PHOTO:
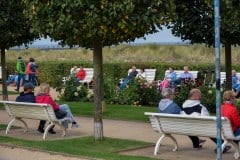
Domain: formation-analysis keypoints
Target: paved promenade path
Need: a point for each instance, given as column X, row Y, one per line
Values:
column 112, row 128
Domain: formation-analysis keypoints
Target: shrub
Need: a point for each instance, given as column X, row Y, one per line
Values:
column 137, row 92
column 75, row 91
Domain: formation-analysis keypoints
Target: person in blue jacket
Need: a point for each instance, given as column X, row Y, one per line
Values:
column 166, row 104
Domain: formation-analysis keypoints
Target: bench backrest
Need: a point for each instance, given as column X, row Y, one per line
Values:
column 89, row 74
column 150, row 74
column 188, row 125
column 223, row 77
column 179, row 72
column 30, row 110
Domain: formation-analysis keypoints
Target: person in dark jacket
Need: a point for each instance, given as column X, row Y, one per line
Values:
column 27, row 95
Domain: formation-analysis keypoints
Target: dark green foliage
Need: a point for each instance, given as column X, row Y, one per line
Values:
column 14, row 26
column 75, row 91
column 137, row 92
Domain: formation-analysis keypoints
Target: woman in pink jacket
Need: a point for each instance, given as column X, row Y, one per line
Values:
column 44, row 97
column 229, row 110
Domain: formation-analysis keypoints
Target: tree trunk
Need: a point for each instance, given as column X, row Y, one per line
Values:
column 4, row 75
column 98, row 90
column 228, row 66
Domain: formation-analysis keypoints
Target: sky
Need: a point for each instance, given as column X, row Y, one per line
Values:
column 164, row 36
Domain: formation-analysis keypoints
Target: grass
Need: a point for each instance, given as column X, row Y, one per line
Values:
column 119, row 112
column 85, row 146
column 192, row 54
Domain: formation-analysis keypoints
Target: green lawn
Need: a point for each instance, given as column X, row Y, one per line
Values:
column 120, row 112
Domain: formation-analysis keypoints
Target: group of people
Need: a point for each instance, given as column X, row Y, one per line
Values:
column 171, row 79
column 192, row 106
column 25, row 73
column 78, row 74
column 43, row 96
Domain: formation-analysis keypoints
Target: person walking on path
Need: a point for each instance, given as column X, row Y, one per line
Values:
column 20, row 68
column 31, row 71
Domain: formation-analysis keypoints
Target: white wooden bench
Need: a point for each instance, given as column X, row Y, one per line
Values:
column 203, row 126
column 88, row 78
column 149, row 73
column 179, row 72
column 38, row 111
column 223, row 77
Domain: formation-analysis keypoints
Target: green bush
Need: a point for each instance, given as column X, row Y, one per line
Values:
column 137, row 92
column 75, row 91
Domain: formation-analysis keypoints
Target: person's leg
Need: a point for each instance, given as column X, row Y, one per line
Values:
column 41, row 126
column 195, row 141
column 18, row 82
column 65, row 108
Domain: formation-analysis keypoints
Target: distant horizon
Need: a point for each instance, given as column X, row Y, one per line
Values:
column 163, row 37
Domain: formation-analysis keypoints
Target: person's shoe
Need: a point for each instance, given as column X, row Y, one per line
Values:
column 41, row 130
column 17, row 90
column 51, row 131
column 201, row 142
column 225, row 149
column 75, row 125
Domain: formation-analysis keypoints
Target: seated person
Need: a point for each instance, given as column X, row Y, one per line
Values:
column 235, row 84
column 44, row 97
column 73, row 72
column 27, row 95
column 141, row 74
column 166, row 104
column 81, row 74
column 193, row 106
column 129, row 78
column 169, row 79
column 186, row 75
column 12, row 79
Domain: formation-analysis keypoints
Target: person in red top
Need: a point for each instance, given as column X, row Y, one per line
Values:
column 229, row 110
column 81, row 74
column 44, row 97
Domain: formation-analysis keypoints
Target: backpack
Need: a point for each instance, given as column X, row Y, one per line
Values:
column 23, row 67
column 33, row 67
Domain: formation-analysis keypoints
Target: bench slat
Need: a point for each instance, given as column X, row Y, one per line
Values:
column 37, row 111
column 204, row 126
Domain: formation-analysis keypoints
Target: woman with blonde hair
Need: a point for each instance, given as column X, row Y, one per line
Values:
column 44, row 97
column 229, row 110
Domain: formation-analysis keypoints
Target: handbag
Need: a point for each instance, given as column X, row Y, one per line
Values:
column 60, row 114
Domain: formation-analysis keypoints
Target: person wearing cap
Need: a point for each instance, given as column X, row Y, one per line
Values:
column 27, row 95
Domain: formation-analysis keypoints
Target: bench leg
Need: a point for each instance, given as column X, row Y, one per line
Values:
column 158, row 144
column 156, row 150
column 46, row 130
column 175, row 142
column 25, row 124
column 11, row 123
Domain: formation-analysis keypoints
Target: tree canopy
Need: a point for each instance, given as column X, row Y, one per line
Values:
column 14, row 26
column 15, row 30
column 94, row 24
column 194, row 21
column 77, row 22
